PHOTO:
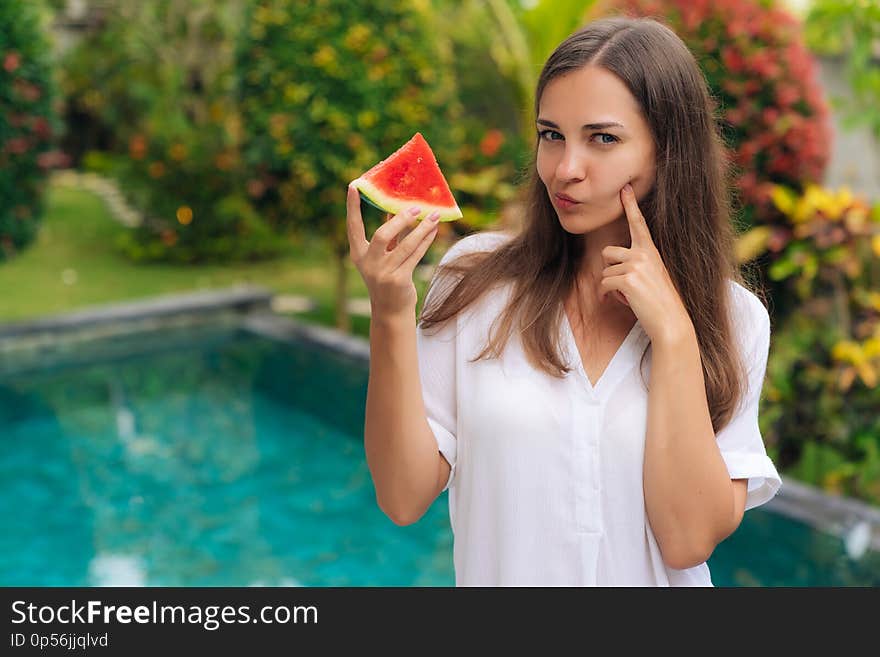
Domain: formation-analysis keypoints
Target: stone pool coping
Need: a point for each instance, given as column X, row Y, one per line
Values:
column 240, row 299
column 59, row 337
column 250, row 308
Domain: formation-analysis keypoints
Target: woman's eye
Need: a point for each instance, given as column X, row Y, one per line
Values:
column 543, row 134
column 611, row 140
column 605, row 138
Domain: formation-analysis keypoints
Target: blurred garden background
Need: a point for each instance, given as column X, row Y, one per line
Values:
column 149, row 147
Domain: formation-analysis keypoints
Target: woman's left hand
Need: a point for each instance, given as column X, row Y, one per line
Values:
column 639, row 277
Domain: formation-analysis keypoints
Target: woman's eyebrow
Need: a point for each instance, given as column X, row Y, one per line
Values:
column 588, row 126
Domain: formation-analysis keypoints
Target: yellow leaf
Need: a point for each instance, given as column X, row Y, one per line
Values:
column 357, row 37
column 784, row 199
column 814, row 198
column 847, row 376
column 856, row 218
column 831, row 482
column 366, row 119
column 868, row 374
column 846, row 350
column 752, row 243
column 875, row 245
column 832, row 204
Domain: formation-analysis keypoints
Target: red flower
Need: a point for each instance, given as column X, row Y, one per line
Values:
column 491, row 142
column 735, row 116
column 752, row 87
column 732, row 60
column 137, row 147
column 41, row 128
column 733, row 87
column 53, row 159
column 169, row 237
column 781, row 164
column 747, row 152
column 748, row 182
column 29, row 92
column 787, row 95
column 777, row 240
column 770, row 116
column 17, row 145
column 11, row 61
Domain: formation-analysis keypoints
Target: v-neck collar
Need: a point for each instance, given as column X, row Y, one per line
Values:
column 617, row 367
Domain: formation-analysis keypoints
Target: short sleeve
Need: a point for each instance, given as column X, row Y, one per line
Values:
column 437, row 357
column 740, row 441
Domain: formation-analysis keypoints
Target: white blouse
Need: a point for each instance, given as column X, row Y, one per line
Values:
column 546, row 480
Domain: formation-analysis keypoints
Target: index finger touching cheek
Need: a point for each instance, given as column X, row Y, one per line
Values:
column 638, row 224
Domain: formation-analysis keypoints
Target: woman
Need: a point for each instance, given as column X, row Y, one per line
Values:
column 607, row 432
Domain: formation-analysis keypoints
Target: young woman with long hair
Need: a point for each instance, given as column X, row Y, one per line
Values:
column 592, row 381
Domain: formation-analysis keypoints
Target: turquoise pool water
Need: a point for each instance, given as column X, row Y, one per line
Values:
column 236, row 460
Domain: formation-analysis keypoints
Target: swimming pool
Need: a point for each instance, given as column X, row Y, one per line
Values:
column 220, row 457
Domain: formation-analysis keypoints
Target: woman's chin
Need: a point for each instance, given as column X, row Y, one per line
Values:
column 583, row 222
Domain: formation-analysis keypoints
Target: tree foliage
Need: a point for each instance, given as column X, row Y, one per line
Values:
column 28, row 122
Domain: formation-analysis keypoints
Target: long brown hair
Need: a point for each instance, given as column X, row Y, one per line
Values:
column 689, row 211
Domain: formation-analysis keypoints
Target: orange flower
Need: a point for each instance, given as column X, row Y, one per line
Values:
column 137, row 147
column 177, row 152
column 491, row 142
column 169, row 237
column 224, row 161
column 184, row 214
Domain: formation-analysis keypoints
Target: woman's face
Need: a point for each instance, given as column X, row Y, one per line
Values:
column 593, row 140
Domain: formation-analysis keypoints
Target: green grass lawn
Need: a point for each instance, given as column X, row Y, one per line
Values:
column 73, row 264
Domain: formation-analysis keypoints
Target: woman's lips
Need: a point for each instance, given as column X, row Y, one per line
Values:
column 564, row 203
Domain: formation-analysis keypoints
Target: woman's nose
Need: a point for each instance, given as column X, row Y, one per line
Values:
column 572, row 166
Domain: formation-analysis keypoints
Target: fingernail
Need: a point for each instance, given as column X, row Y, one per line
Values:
column 415, row 211
column 627, row 188
column 434, row 216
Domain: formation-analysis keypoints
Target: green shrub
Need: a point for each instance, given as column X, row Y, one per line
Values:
column 159, row 77
column 190, row 194
column 851, row 28
column 820, row 410
column 815, row 429
column 28, row 123
column 329, row 88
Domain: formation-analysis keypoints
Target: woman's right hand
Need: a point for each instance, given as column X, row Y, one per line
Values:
column 386, row 266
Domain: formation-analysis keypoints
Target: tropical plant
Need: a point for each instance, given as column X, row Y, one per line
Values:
column 152, row 67
column 158, row 76
column 851, row 29
column 28, row 123
column 824, row 375
column 329, row 88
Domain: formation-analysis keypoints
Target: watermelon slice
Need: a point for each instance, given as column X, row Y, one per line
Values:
column 408, row 177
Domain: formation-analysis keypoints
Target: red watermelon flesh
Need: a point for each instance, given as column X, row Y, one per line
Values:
column 409, row 177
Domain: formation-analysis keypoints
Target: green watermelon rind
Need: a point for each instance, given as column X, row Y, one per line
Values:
column 371, row 194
